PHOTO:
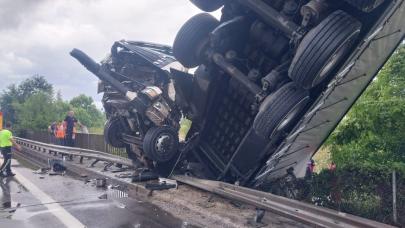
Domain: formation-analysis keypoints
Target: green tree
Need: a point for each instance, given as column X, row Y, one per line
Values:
column 61, row 108
column 32, row 105
column 36, row 112
column 7, row 99
column 86, row 111
column 373, row 132
column 33, row 85
column 17, row 94
column 83, row 101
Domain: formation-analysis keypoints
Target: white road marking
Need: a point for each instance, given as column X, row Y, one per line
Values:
column 56, row 209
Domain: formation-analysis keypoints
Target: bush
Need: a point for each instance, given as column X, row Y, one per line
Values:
column 364, row 191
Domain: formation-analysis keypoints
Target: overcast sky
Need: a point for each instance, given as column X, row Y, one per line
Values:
column 36, row 36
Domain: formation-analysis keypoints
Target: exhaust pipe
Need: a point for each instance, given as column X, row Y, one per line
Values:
column 101, row 73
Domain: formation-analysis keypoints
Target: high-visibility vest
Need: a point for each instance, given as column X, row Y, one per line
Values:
column 60, row 131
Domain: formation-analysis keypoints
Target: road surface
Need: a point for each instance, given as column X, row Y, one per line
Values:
column 42, row 200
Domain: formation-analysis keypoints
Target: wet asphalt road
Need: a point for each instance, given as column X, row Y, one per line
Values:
column 41, row 200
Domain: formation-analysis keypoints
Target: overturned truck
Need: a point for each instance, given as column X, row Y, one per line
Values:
column 263, row 75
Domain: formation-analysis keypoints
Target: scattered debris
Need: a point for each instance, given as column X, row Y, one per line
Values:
column 168, row 181
column 259, row 215
column 52, row 173
column 56, row 165
column 113, row 186
column 145, row 176
column 103, row 196
column 107, row 166
column 118, row 170
column 121, row 205
column 41, row 171
column 93, row 163
column 116, row 194
column 101, row 182
column 125, row 175
column 257, row 220
column 159, row 186
column 206, row 204
column 236, row 204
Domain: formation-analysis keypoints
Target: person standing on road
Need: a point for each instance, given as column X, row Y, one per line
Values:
column 69, row 124
column 60, row 134
column 52, row 132
column 6, row 143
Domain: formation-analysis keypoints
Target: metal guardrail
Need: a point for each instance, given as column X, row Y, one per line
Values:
column 84, row 153
column 296, row 210
column 82, row 140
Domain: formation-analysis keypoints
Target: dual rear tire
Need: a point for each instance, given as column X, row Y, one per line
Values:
column 323, row 49
column 319, row 53
column 281, row 110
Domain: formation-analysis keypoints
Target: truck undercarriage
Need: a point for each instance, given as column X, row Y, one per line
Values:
column 264, row 74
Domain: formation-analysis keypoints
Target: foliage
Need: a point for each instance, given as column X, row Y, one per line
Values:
column 32, row 105
column 61, row 108
column 86, row 111
column 19, row 93
column 32, row 86
column 367, row 146
column 373, row 133
column 36, row 112
column 363, row 190
column 82, row 101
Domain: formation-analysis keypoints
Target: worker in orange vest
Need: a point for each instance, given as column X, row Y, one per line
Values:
column 60, row 133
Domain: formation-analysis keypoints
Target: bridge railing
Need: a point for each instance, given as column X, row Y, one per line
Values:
column 85, row 141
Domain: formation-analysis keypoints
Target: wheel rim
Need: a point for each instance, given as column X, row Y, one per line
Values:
column 290, row 116
column 164, row 146
column 335, row 58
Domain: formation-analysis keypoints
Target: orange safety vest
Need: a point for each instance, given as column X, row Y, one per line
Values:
column 60, row 132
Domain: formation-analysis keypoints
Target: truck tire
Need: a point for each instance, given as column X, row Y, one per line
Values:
column 161, row 143
column 280, row 110
column 192, row 38
column 323, row 48
column 112, row 133
column 365, row 5
column 208, row 5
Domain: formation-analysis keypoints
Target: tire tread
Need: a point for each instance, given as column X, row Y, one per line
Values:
column 318, row 45
column 275, row 107
column 194, row 31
